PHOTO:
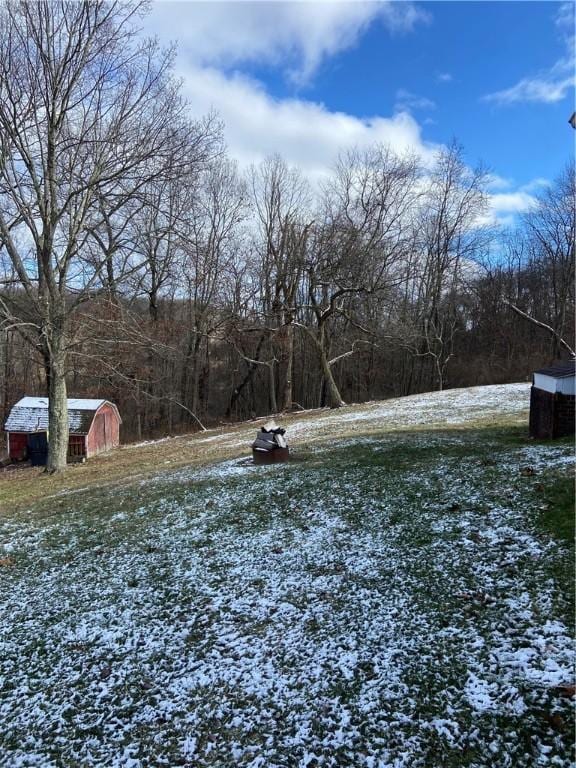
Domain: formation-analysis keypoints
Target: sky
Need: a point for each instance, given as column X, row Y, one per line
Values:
column 309, row 79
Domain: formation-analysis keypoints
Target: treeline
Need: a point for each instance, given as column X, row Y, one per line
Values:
column 140, row 265
column 257, row 296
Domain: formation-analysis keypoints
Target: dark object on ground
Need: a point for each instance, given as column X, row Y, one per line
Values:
column 270, row 446
column 552, row 401
column 552, row 414
column 38, row 448
column 270, row 457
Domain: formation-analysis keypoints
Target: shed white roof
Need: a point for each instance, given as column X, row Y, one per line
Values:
column 30, row 414
column 561, row 369
column 74, row 403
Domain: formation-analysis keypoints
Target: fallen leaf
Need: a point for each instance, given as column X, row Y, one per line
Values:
column 556, row 721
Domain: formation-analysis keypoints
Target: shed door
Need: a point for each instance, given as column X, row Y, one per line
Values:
column 100, row 432
column 38, row 448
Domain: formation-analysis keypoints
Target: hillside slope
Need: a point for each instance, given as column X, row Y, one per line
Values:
column 454, row 408
column 387, row 601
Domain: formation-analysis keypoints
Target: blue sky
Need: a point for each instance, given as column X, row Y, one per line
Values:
column 309, row 78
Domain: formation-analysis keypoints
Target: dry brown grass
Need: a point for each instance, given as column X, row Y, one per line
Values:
column 21, row 488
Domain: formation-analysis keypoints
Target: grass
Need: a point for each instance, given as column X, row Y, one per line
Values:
column 456, row 408
column 558, row 517
column 395, row 599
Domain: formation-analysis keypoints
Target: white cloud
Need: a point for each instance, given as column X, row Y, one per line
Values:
column 505, row 207
column 547, row 88
column 553, row 84
column 536, row 185
column 407, row 101
column 305, row 133
column 511, row 202
column 295, row 36
column 496, row 182
column 507, row 200
column 565, row 18
column 218, row 40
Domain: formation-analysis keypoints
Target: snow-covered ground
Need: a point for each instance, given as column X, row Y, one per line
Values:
column 389, row 603
column 450, row 408
column 453, row 407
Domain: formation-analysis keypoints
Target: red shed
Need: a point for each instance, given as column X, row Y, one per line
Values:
column 94, row 426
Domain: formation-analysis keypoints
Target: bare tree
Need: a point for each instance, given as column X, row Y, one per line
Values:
column 545, row 246
column 281, row 200
column 210, row 248
column 359, row 250
column 88, row 113
column 449, row 238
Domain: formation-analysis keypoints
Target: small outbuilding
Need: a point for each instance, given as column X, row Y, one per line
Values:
column 94, row 427
column 552, row 400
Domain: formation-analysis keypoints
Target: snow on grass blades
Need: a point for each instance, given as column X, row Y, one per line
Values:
column 388, row 602
column 486, row 406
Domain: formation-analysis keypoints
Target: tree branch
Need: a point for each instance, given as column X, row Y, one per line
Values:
column 540, row 324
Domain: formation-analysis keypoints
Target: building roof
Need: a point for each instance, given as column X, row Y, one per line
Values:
column 559, row 370
column 30, row 414
column 78, row 404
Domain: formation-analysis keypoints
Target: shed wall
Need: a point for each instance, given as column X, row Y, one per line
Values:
column 76, row 447
column 566, row 384
column 17, row 445
column 551, row 415
column 104, row 433
column 545, row 383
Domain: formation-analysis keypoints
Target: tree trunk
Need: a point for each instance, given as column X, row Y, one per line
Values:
column 272, row 388
column 196, row 370
column 57, row 410
column 3, row 371
column 248, row 379
column 111, row 277
column 153, row 304
column 184, row 386
column 287, row 396
column 440, row 374
column 322, row 393
column 204, row 382
column 334, row 396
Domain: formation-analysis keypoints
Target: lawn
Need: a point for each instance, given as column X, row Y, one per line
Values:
column 457, row 408
column 397, row 600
